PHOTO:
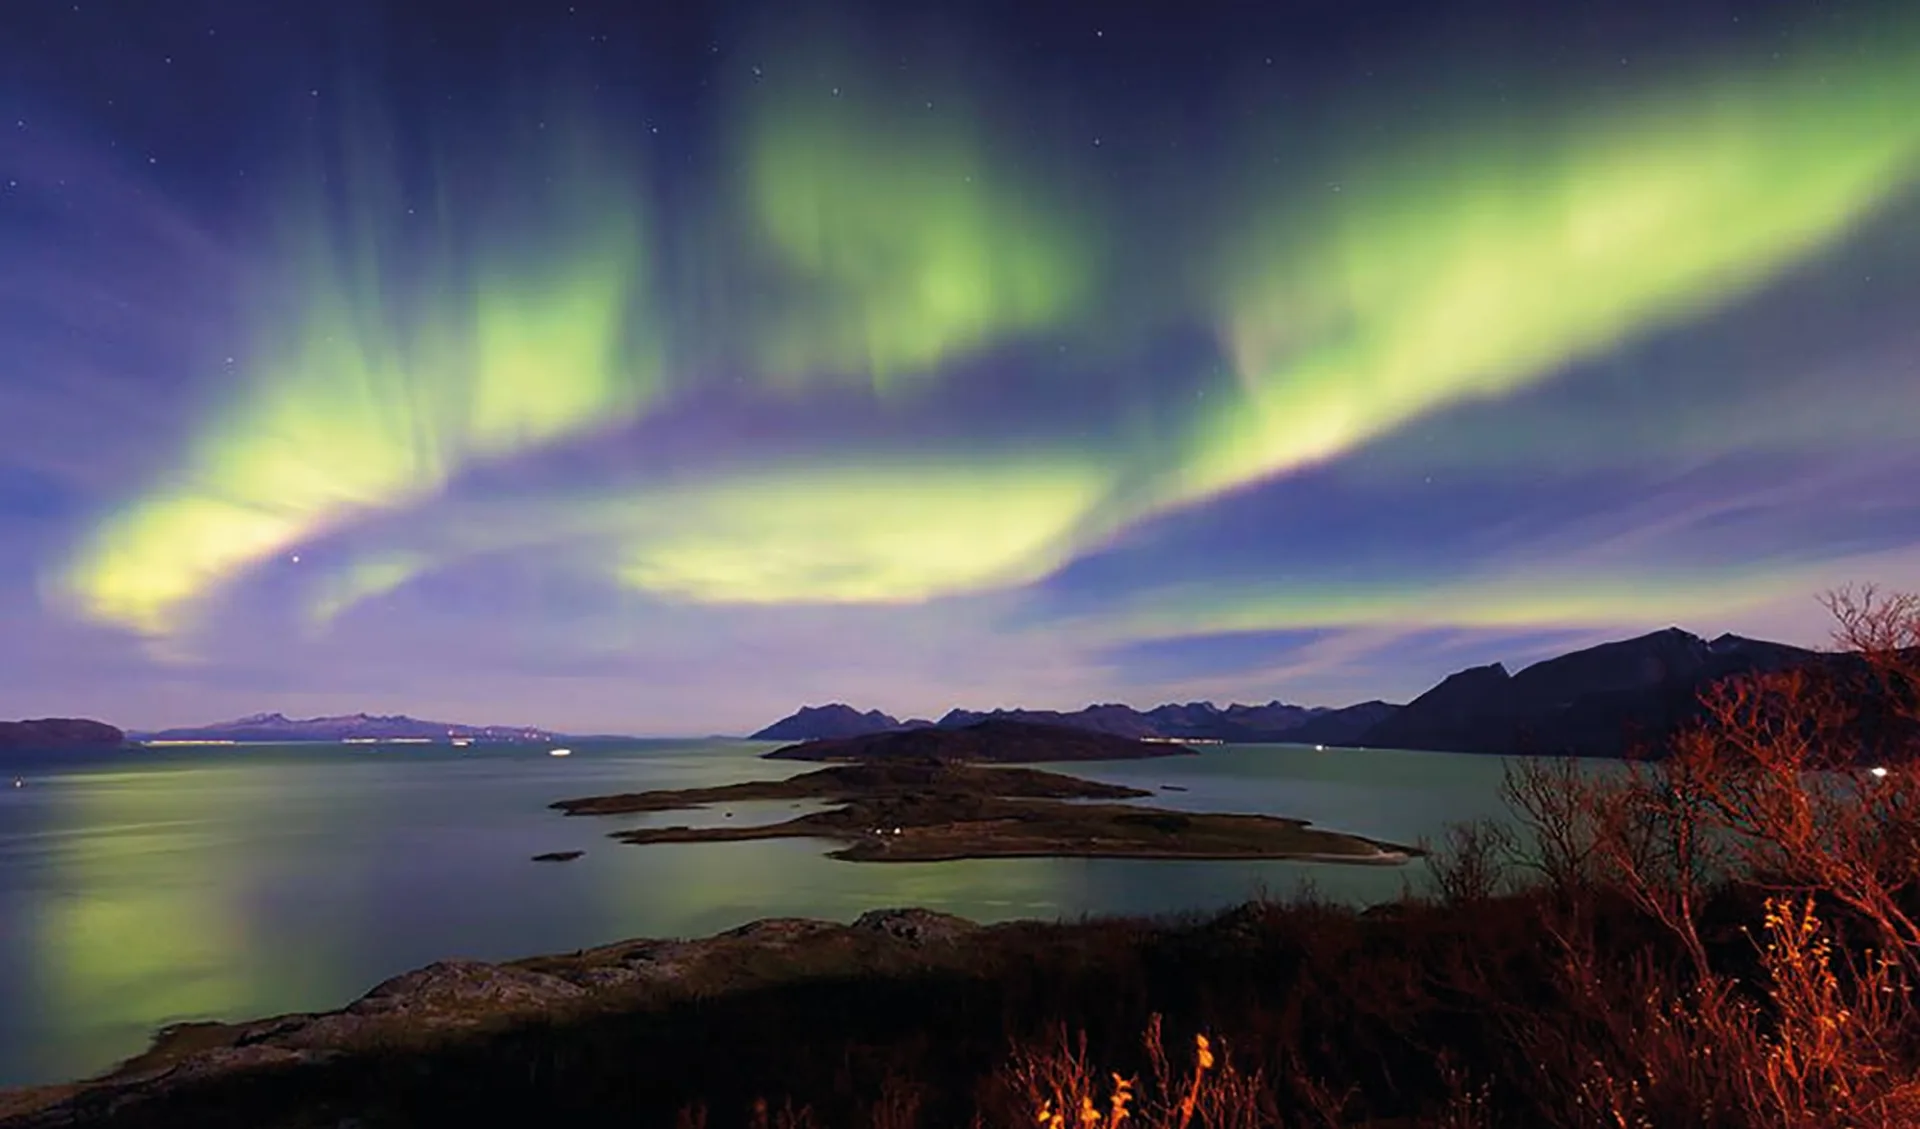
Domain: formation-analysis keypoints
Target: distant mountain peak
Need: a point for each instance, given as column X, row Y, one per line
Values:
column 835, row 719
column 378, row 727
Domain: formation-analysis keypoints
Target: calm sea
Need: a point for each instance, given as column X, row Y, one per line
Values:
column 143, row 888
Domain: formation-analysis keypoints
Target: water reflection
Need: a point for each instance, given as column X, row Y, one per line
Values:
column 142, row 918
column 246, row 881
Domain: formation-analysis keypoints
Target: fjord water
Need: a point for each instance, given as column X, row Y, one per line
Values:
column 153, row 886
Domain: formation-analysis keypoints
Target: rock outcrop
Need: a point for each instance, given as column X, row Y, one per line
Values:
column 452, row 999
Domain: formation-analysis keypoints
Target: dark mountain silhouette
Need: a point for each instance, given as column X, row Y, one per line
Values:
column 1456, row 710
column 1594, row 702
column 1274, row 717
column 59, row 733
column 1605, row 700
column 1340, row 727
column 837, row 719
column 1275, row 722
column 1189, row 721
column 349, row 727
column 996, row 740
column 1206, row 721
column 1117, row 720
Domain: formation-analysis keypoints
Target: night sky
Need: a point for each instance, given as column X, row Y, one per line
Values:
column 660, row 367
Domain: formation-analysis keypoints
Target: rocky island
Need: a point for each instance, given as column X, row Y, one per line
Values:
column 930, row 810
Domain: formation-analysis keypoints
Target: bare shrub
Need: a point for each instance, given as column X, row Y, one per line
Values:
column 1473, row 861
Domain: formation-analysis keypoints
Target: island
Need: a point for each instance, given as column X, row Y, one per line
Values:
column 60, row 733
column 933, row 810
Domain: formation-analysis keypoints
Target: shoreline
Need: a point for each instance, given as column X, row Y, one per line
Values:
column 439, row 1007
column 430, row 1007
column 906, row 812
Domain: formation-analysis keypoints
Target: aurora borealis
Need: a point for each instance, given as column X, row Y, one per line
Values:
column 658, row 373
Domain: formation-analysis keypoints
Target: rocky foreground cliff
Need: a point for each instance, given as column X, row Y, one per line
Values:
column 442, row 1004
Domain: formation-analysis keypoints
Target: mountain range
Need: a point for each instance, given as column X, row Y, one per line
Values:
column 1599, row 701
column 1186, row 721
column 349, row 727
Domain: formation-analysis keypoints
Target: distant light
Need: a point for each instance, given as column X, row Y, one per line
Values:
column 1319, row 748
column 559, row 752
column 296, row 558
column 1878, row 770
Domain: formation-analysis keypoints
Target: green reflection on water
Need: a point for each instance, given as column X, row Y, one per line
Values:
column 247, row 882
column 147, row 915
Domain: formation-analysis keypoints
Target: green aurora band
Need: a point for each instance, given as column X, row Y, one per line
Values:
column 897, row 240
column 362, row 579
column 375, row 395
column 1473, row 264
column 1469, row 263
column 892, row 528
column 898, row 532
